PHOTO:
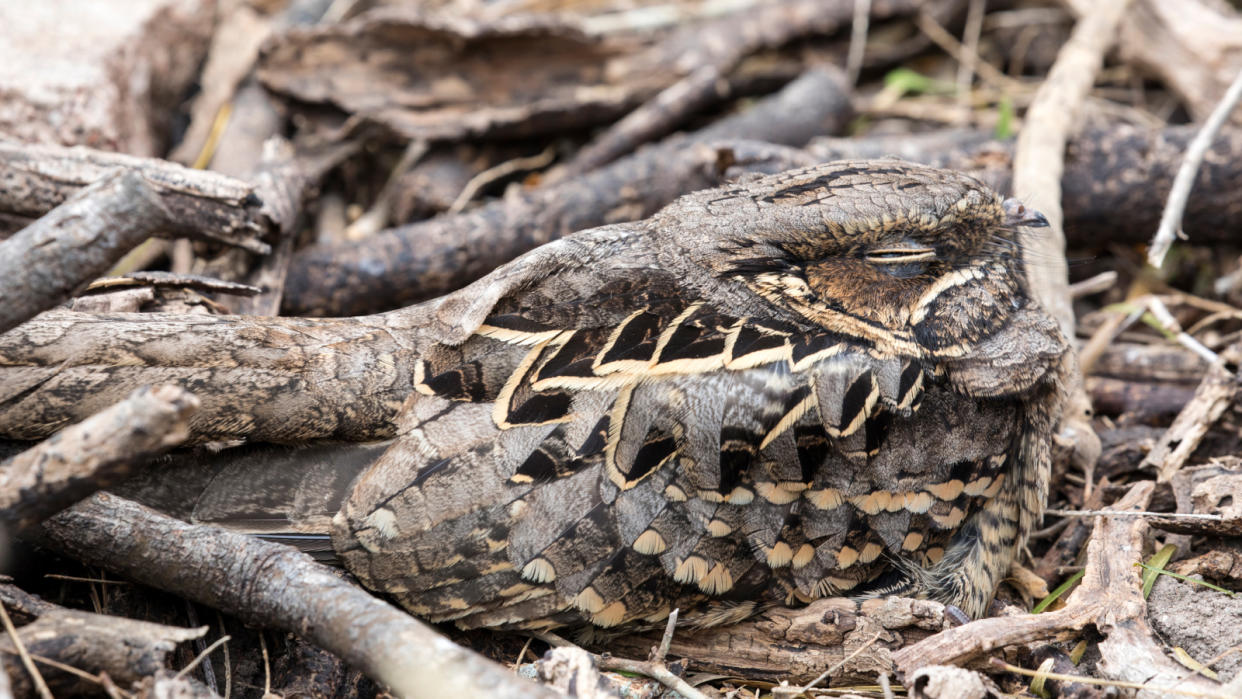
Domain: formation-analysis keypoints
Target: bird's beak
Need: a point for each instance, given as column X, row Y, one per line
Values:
column 1016, row 214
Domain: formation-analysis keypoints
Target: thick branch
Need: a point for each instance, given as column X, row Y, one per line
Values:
column 204, row 205
column 278, row 587
column 126, row 649
column 264, row 379
column 429, row 258
column 45, row 263
column 93, row 454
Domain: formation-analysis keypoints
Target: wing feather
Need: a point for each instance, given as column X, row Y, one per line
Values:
column 661, row 449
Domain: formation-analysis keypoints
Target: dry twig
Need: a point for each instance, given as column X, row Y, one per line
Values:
column 275, row 586
column 1109, row 597
column 1215, row 393
column 1170, row 220
column 202, row 205
column 655, row 667
column 93, row 453
column 49, row 260
column 27, row 663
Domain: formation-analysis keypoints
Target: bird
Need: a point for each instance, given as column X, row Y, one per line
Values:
column 832, row 381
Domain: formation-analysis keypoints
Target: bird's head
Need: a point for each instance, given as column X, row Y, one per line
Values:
column 910, row 258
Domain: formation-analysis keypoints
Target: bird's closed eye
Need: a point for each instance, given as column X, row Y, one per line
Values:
column 900, row 255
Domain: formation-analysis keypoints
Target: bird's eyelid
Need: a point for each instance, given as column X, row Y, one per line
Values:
column 900, row 254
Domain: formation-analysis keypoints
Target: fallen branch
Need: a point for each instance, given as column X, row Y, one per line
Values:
column 1172, row 216
column 1139, row 400
column 93, row 454
column 1215, row 393
column 202, row 205
column 429, row 258
column 1110, row 597
column 852, row 639
column 264, row 379
column 275, row 586
column 45, row 263
column 127, row 650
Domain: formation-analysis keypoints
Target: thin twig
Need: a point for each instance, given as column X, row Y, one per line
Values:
column 667, row 640
column 655, row 668
column 228, row 664
column 1161, row 313
column 75, row 578
column 962, row 54
column 840, row 664
column 858, row 39
column 885, row 686
column 1114, row 513
column 656, row 671
column 203, row 656
column 35, row 677
column 1104, row 683
column 522, row 653
column 496, row 172
column 69, row 669
column 970, row 54
column 377, row 216
column 554, row 640
column 267, row 669
column 1219, row 657
column 1094, row 285
column 1171, row 219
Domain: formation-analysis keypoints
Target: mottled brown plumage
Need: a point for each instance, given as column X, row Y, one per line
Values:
column 827, row 381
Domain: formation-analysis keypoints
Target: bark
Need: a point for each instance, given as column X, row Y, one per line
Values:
column 458, row 77
column 128, row 651
column 429, row 258
column 47, row 262
column 277, row 587
column 202, row 205
column 263, row 379
column 93, row 454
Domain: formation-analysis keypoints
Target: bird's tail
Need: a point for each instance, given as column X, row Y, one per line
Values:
column 278, row 492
